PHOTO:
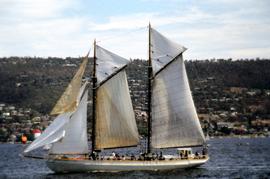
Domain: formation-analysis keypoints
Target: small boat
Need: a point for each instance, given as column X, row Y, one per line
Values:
column 172, row 117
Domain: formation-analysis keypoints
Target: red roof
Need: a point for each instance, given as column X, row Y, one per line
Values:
column 36, row 131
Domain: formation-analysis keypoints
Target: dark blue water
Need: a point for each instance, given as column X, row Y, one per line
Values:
column 229, row 158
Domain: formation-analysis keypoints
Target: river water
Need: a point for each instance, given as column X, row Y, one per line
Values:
column 229, row 158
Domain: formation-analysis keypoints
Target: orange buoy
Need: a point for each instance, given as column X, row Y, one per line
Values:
column 24, row 139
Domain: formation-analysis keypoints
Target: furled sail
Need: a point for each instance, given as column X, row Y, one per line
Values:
column 174, row 119
column 115, row 119
column 75, row 140
column 68, row 102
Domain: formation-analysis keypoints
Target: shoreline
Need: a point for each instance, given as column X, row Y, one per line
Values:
column 239, row 136
column 212, row 137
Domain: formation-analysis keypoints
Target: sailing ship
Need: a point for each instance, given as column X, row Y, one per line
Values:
column 172, row 117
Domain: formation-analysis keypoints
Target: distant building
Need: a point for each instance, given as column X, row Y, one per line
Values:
column 267, row 92
column 6, row 114
column 251, row 93
column 36, row 133
column 13, row 113
column 237, row 90
column 224, row 124
column 70, row 65
column 11, row 107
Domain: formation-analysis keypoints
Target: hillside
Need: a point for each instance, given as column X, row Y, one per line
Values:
column 38, row 82
column 231, row 97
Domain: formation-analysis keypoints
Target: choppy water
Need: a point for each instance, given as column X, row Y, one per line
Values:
column 229, row 158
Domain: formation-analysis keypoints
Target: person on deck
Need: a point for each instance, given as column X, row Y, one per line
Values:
column 204, row 151
column 93, row 155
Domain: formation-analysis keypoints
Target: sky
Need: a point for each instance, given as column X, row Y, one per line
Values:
column 66, row 28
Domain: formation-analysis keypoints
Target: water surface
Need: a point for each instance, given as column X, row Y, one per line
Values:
column 229, row 158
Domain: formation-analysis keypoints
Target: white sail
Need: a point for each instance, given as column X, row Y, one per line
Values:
column 75, row 140
column 115, row 120
column 163, row 50
column 107, row 63
column 174, row 119
column 52, row 134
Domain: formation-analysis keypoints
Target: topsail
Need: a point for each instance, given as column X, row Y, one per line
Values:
column 108, row 63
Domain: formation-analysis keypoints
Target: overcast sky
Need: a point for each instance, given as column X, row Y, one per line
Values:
column 62, row 28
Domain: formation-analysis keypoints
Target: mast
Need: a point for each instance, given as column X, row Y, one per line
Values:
column 94, row 96
column 150, row 75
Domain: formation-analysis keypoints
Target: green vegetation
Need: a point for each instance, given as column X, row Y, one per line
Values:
column 38, row 82
column 231, row 97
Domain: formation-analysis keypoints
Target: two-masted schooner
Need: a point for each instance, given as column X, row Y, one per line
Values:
column 172, row 123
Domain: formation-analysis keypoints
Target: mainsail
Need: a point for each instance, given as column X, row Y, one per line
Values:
column 174, row 119
column 115, row 119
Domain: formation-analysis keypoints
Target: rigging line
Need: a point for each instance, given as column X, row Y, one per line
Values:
column 122, row 34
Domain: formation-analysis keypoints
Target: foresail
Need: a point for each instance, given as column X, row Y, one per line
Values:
column 107, row 63
column 68, row 100
column 75, row 140
column 53, row 133
column 174, row 119
column 115, row 119
column 163, row 50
